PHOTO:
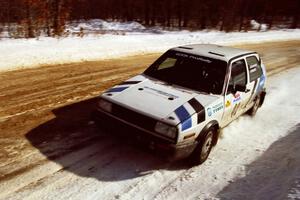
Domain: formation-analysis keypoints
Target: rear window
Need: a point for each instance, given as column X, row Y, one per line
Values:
column 254, row 67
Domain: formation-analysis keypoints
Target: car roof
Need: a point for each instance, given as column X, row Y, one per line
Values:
column 213, row 51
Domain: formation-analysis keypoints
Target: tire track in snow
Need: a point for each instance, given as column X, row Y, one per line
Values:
column 63, row 184
column 162, row 182
column 47, row 168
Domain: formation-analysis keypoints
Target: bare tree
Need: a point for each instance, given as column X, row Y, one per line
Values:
column 30, row 18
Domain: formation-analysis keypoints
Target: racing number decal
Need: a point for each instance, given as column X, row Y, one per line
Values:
column 235, row 109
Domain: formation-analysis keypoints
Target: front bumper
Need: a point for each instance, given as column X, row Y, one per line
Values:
column 160, row 145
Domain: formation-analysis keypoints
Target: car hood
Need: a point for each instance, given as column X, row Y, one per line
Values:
column 154, row 98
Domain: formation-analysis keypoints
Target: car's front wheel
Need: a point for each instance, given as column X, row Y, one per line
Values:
column 204, row 147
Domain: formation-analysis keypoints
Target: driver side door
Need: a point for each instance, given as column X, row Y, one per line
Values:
column 238, row 92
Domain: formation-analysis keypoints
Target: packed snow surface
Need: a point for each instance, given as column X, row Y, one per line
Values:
column 23, row 53
column 256, row 158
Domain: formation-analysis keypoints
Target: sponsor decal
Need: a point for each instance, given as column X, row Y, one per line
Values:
column 237, row 98
column 209, row 112
column 214, row 109
column 235, row 109
column 217, row 107
column 194, row 57
column 252, row 93
column 161, row 92
column 228, row 104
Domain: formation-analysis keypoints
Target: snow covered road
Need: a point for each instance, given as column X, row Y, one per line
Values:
column 51, row 151
column 26, row 53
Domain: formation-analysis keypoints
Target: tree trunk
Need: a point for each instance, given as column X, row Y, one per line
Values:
column 30, row 33
column 179, row 14
column 147, row 10
column 270, row 24
column 241, row 23
column 56, row 15
column 295, row 22
column 203, row 22
column 168, row 17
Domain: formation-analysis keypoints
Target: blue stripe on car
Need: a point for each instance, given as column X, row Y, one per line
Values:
column 117, row 89
column 184, row 117
column 261, row 84
column 186, row 124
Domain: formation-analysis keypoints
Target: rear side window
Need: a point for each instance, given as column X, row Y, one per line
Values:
column 238, row 72
column 238, row 75
column 254, row 68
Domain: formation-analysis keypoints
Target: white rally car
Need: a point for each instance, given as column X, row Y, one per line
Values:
column 179, row 104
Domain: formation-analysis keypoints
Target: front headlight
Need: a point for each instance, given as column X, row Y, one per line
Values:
column 169, row 131
column 105, row 105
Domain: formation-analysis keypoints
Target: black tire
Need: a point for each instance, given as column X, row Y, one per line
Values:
column 252, row 112
column 204, row 147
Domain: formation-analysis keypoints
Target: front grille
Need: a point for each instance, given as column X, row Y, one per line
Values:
column 133, row 117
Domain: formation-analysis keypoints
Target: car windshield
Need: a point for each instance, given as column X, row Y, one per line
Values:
column 191, row 71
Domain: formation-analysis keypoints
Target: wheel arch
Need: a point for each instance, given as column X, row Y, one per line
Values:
column 210, row 125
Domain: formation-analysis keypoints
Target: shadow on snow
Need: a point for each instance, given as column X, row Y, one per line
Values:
column 75, row 143
column 274, row 175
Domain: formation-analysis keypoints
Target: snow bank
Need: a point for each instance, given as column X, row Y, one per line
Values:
column 255, row 25
column 23, row 53
column 91, row 26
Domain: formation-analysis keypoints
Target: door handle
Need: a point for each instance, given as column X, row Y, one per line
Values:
column 247, row 90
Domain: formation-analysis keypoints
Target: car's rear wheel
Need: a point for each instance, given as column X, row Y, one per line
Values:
column 204, row 147
column 255, row 107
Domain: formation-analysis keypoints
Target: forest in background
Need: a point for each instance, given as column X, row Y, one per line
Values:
column 32, row 18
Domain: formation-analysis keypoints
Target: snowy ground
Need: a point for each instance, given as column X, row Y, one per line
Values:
column 22, row 53
column 256, row 158
column 246, row 140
